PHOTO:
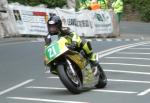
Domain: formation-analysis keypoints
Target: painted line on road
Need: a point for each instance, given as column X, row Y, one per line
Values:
column 108, row 50
column 40, row 40
column 119, row 48
column 102, row 53
column 140, row 48
column 109, row 40
column 119, row 71
column 50, row 88
column 115, row 80
column 48, row 71
column 88, row 40
column 16, row 86
column 57, row 88
column 118, row 39
column 43, row 100
column 127, row 39
column 125, row 64
column 16, row 43
column 133, row 53
column 129, row 81
column 132, row 58
column 128, row 72
column 144, row 92
column 99, row 40
column 136, row 39
column 146, row 45
column 53, row 77
column 115, row 91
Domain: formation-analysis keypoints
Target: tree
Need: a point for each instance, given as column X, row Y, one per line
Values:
column 142, row 6
column 49, row 3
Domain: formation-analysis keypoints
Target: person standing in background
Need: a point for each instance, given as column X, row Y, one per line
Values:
column 103, row 3
column 95, row 5
column 84, row 4
column 117, row 6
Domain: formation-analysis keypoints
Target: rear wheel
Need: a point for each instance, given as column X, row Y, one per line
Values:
column 102, row 78
column 70, row 79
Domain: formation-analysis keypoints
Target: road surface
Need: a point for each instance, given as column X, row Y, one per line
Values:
column 126, row 62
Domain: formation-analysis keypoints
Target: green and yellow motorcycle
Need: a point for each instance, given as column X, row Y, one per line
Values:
column 73, row 68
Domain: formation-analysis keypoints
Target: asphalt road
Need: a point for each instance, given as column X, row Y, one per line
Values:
column 23, row 78
column 130, row 29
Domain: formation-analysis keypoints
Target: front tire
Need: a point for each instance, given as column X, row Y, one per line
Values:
column 71, row 85
column 102, row 78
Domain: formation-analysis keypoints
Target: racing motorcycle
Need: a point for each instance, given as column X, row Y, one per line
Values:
column 72, row 67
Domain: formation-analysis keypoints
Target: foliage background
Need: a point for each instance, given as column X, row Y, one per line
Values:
column 142, row 6
column 132, row 7
column 49, row 3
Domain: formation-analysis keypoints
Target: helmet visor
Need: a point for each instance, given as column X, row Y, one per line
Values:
column 53, row 28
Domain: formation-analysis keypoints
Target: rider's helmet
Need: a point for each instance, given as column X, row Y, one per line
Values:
column 54, row 25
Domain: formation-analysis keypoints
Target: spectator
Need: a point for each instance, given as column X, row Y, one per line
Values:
column 94, row 5
column 117, row 6
column 103, row 3
column 84, row 4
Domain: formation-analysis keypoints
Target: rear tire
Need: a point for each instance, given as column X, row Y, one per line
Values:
column 102, row 78
column 70, row 85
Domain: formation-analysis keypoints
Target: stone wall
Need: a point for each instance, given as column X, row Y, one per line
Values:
column 7, row 26
column 71, row 3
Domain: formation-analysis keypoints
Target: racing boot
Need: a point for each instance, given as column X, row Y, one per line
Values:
column 94, row 63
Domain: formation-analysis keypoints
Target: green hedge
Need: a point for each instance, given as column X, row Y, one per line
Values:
column 143, row 6
column 49, row 3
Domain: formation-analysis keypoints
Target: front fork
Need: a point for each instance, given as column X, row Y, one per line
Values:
column 74, row 75
column 70, row 66
column 47, row 69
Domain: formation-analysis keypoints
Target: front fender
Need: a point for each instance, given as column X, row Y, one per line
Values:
column 55, row 50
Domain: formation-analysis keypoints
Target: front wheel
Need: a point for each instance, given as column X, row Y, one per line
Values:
column 70, row 81
column 102, row 78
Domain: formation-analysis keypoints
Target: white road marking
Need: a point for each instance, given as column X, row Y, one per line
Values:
column 142, row 38
column 144, row 92
column 127, row 39
column 132, row 53
column 114, row 80
column 120, row 48
column 99, row 40
column 50, row 88
column 57, row 88
column 129, row 72
column 132, row 58
column 115, row 91
column 40, row 40
column 129, row 81
column 53, row 77
column 88, row 40
column 140, row 48
column 125, row 64
column 118, row 39
column 108, row 50
column 109, row 40
column 16, row 86
column 47, row 71
column 14, row 43
column 136, row 39
column 146, row 45
column 43, row 100
column 19, row 42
